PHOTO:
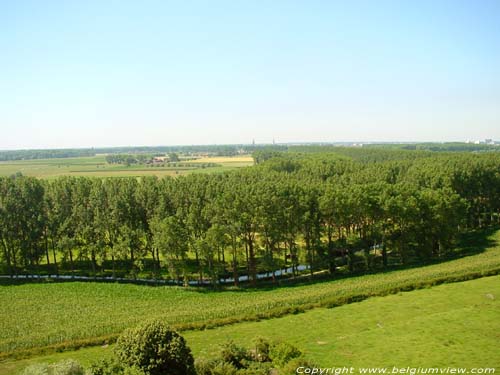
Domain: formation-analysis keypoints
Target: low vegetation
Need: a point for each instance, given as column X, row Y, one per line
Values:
column 57, row 316
column 153, row 348
column 452, row 325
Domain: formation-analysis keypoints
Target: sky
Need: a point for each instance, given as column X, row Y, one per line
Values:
column 127, row 73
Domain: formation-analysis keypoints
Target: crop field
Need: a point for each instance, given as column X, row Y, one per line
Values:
column 96, row 166
column 449, row 325
column 453, row 325
column 65, row 315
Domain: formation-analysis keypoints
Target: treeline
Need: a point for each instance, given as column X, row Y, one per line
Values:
column 323, row 210
column 215, row 150
column 446, row 146
column 44, row 154
column 129, row 159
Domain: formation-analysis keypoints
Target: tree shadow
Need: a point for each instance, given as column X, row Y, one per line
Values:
column 469, row 244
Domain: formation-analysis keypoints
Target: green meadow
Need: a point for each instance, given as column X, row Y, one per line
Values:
column 452, row 325
column 96, row 166
column 58, row 316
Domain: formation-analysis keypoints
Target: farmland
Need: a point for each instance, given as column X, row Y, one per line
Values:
column 96, row 166
column 348, row 226
column 452, row 325
column 58, row 315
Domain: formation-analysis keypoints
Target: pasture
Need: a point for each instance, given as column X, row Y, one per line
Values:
column 453, row 325
column 73, row 314
column 96, row 166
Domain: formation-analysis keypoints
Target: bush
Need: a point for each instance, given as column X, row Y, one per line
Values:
column 36, row 369
column 282, row 353
column 224, row 368
column 234, row 354
column 260, row 350
column 105, row 367
column 215, row 367
column 257, row 368
column 204, row 366
column 66, row 367
column 155, row 349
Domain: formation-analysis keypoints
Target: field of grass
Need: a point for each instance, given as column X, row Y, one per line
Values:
column 96, row 166
column 59, row 315
column 453, row 325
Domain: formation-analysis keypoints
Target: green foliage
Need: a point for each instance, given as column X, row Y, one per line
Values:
column 235, row 359
column 66, row 367
column 36, row 369
column 155, row 349
column 223, row 368
column 85, row 314
column 234, row 354
column 341, row 210
column 260, row 349
column 282, row 353
column 105, row 367
column 439, row 335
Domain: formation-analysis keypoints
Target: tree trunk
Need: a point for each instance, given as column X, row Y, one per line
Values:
column 252, row 262
column 72, row 263
column 7, row 257
column 384, row 254
column 154, row 262
column 158, row 261
column 331, row 254
column 94, row 263
column 113, row 262
column 47, row 253
column 235, row 265
column 55, row 258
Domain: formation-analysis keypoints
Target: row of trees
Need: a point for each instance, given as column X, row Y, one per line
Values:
column 322, row 209
column 217, row 150
column 129, row 159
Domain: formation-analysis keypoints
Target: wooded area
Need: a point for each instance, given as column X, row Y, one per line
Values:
column 349, row 209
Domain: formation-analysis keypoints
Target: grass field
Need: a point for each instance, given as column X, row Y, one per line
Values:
column 96, row 166
column 455, row 325
column 58, row 315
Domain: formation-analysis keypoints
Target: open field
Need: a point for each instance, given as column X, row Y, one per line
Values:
column 96, row 166
column 455, row 325
column 58, row 315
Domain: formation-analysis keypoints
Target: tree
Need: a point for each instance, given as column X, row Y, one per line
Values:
column 155, row 349
column 173, row 157
column 171, row 238
column 22, row 219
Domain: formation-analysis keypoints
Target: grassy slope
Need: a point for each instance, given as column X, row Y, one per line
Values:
column 456, row 325
column 33, row 316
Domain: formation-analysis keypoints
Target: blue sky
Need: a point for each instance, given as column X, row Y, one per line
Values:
column 117, row 73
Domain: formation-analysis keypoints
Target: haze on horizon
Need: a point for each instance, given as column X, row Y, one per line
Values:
column 128, row 73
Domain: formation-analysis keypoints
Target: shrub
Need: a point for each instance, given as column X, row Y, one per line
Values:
column 36, row 369
column 204, row 366
column 281, row 353
column 257, row 368
column 155, row 349
column 260, row 350
column 105, row 367
column 66, row 367
column 234, row 354
column 224, row 368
